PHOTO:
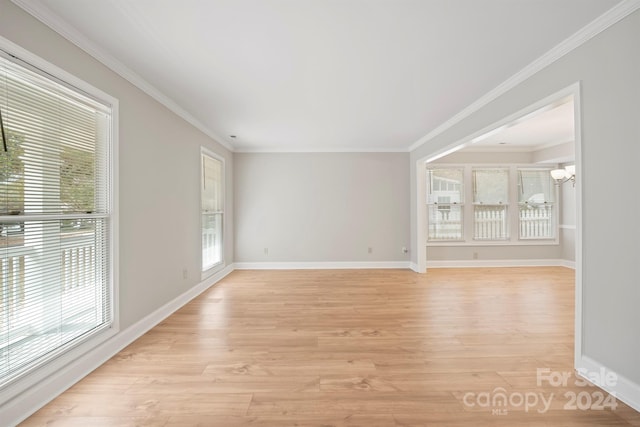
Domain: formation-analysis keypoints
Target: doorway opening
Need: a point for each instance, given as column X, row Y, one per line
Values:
column 474, row 206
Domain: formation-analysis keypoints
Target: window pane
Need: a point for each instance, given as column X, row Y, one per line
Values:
column 52, row 276
column 537, row 221
column 491, row 186
column 536, row 196
column 212, row 205
column 53, row 143
column 490, row 222
column 212, row 184
column 490, row 198
column 211, row 240
column 54, row 282
column 445, row 186
column 535, row 186
column 445, row 222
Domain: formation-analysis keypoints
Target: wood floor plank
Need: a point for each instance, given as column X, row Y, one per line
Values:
column 345, row 348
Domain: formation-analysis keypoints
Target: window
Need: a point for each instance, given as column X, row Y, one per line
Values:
column 490, row 204
column 212, row 210
column 445, row 201
column 536, row 195
column 506, row 205
column 55, row 218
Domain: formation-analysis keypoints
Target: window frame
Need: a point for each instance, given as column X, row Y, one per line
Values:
column 555, row 205
column 74, row 359
column 512, row 207
column 477, row 204
column 204, row 151
column 460, row 205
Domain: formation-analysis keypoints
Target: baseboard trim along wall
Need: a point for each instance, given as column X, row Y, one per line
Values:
column 621, row 387
column 471, row 263
column 28, row 402
column 320, row 265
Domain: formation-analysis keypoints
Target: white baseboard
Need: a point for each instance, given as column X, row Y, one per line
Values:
column 319, row 265
column 624, row 389
column 470, row 263
column 414, row 266
column 28, row 402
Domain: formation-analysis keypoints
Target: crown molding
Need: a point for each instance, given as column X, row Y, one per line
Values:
column 60, row 26
column 609, row 18
column 604, row 21
column 317, row 149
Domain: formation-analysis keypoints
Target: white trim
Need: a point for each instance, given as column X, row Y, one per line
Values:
column 285, row 149
column 567, row 227
column 568, row 263
column 57, row 24
column 414, row 266
column 33, row 387
column 421, row 218
column 204, row 151
column 25, row 404
column 475, row 263
column 512, row 204
column 57, row 72
column 604, row 21
column 114, row 225
column 572, row 90
column 486, row 243
column 577, row 119
column 624, row 389
column 339, row 265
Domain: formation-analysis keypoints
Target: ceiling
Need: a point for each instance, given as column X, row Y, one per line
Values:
column 319, row 75
column 552, row 125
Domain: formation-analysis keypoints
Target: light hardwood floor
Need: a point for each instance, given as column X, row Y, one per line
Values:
column 347, row 348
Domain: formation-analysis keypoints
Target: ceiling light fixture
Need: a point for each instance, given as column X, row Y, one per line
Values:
column 560, row 176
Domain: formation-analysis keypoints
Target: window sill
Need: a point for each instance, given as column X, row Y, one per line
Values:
column 212, row 270
column 541, row 242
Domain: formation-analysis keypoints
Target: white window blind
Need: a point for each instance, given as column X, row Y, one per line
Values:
column 54, row 218
column 212, row 210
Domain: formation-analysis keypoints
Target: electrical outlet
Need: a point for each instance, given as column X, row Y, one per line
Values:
column 185, row 273
column 266, row 251
column 475, row 255
column 370, row 250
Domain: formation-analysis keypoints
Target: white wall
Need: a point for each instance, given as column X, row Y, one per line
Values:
column 608, row 67
column 159, row 158
column 321, row 207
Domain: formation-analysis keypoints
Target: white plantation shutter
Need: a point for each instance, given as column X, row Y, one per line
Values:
column 212, row 210
column 54, row 218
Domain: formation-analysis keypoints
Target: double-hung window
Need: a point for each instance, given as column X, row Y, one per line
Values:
column 536, row 201
column 490, row 204
column 511, row 204
column 445, row 200
column 55, row 218
column 212, row 210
